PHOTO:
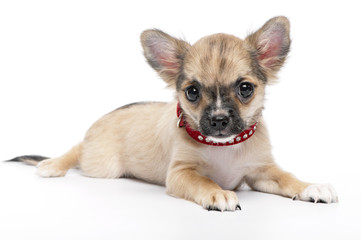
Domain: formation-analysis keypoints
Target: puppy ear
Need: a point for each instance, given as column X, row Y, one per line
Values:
column 270, row 45
column 164, row 53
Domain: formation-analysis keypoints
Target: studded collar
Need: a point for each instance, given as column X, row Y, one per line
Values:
column 196, row 135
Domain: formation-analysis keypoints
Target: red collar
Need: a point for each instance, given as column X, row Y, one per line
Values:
column 196, row 135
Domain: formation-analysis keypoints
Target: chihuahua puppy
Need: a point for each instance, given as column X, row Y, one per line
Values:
column 212, row 138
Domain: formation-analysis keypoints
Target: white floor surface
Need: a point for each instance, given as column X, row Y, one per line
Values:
column 77, row 207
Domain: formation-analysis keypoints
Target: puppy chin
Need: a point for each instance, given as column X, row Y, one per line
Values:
column 221, row 140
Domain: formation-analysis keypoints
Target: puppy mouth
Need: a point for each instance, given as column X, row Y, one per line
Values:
column 220, row 138
column 221, row 134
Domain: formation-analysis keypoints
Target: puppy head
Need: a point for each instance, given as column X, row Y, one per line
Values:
column 220, row 80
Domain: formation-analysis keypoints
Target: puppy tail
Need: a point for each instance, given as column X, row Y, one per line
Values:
column 55, row 167
column 29, row 159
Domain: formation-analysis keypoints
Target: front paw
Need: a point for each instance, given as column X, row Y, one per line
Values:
column 319, row 193
column 221, row 200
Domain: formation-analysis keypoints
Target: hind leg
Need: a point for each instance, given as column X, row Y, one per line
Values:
column 57, row 167
column 100, row 160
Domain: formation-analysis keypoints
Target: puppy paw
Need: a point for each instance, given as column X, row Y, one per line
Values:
column 319, row 193
column 221, row 200
column 50, row 168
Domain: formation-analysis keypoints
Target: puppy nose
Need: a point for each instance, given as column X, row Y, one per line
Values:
column 219, row 122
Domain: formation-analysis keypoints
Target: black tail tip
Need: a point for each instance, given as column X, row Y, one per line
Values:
column 30, row 159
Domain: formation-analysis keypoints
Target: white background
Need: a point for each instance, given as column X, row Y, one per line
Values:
column 63, row 64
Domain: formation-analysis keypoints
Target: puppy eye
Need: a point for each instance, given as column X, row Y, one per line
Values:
column 246, row 89
column 192, row 93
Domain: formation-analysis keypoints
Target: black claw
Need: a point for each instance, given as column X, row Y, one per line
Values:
column 213, row 208
column 318, row 200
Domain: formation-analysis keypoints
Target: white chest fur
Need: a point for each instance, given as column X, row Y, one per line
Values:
column 227, row 165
